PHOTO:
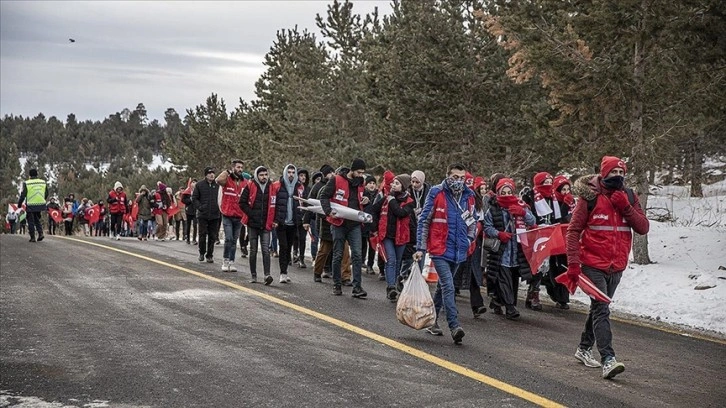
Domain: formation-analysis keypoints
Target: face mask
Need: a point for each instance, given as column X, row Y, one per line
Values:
column 614, row 182
column 455, row 185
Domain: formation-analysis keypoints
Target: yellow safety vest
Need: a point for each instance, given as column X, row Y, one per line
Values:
column 35, row 194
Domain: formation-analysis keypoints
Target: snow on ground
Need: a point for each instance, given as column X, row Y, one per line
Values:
column 684, row 285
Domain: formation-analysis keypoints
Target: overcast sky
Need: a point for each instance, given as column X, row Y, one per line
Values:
column 164, row 54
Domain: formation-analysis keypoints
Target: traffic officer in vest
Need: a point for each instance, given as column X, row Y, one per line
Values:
column 231, row 183
column 35, row 196
column 599, row 239
column 446, row 230
column 347, row 191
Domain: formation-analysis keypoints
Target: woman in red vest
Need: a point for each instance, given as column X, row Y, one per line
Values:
column 393, row 214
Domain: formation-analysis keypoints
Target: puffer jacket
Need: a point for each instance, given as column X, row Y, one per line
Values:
column 204, row 199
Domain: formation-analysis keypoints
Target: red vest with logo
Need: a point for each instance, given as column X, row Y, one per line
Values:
column 606, row 242
column 439, row 229
column 341, row 195
column 403, row 225
column 119, row 207
column 230, row 192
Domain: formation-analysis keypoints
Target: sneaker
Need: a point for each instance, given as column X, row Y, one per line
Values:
column 535, row 303
column 301, row 265
column 391, row 294
column 284, row 278
column 585, row 356
column 337, row 291
column 232, row 268
column 347, row 282
column 225, row 265
column 496, row 308
column 435, row 330
column 611, row 368
column 32, row 239
column 210, row 260
column 268, row 280
column 326, row 275
column 253, row 279
column 457, row 334
column 201, row 258
column 317, row 278
column 41, row 237
column 195, row 243
column 359, row 293
column 479, row 311
column 118, row 238
column 381, row 277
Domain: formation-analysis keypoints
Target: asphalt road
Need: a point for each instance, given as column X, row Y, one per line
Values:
column 84, row 325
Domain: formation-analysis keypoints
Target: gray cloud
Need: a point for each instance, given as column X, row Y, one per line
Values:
column 164, row 54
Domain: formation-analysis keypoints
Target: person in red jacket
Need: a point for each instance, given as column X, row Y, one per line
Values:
column 231, row 183
column 599, row 238
column 118, row 206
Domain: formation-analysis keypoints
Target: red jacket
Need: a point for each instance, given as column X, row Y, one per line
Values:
column 602, row 239
column 403, row 224
column 342, row 192
column 119, row 205
column 230, row 192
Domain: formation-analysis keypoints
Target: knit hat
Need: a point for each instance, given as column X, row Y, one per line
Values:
column 478, row 182
column 505, row 182
column 358, row 164
column 559, row 182
column 419, row 175
column 118, row 185
column 405, row 181
column 540, row 178
column 208, row 170
column 370, row 179
column 160, row 186
column 608, row 163
column 326, row 169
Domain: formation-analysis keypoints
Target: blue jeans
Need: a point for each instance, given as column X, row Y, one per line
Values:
column 394, row 254
column 273, row 240
column 232, row 227
column 353, row 236
column 597, row 328
column 444, row 295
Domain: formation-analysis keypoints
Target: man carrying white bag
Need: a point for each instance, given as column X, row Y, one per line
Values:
column 415, row 307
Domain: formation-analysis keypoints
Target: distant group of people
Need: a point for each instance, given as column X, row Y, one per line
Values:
column 467, row 226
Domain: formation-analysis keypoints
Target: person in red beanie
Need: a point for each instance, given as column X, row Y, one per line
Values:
column 599, row 239
column 506, row 216
column 558, row 263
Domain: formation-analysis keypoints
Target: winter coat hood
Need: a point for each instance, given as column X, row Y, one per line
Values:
column 257, row 172
column 283, row 177
column 586, row 187
column 307, row 176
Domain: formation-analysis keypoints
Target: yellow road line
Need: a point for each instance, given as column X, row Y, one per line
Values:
column 492, row 382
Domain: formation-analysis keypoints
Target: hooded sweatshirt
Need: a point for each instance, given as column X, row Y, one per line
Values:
column 289, row 185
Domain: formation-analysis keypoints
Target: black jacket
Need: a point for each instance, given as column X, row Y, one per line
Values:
column 281, row 204
column 204, row 199
column 189, row 205
column 257, row 212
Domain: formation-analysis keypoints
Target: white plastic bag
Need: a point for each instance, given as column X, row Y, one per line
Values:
column 415, row 307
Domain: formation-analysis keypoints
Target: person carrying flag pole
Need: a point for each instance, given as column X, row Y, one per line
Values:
column 599, row 238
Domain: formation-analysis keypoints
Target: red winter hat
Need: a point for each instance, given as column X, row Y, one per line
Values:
column 560, row 181
column 540, row 178
column 608, row 163
column 505, row 182
column 478, row 182
column 388, row 177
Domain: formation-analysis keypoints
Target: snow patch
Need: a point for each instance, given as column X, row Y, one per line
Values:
column 158, row 161
column 8, row 399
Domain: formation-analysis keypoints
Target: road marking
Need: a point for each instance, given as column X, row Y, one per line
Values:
column 459, row 369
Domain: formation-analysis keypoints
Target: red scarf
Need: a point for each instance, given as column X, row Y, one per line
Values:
column 513, row 201
column 545, row 191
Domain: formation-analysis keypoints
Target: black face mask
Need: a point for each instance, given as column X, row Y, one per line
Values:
column 614, row 182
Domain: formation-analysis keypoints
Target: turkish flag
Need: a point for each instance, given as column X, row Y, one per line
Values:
column 92, row 214
column 135, row 210
column 173, row 209
column 55, row 215
column 586, row 285
column 541, row 243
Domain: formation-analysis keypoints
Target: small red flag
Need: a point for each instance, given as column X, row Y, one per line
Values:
column 541, row 243
column 134, row 210
column 55, row 215
column 92, row 214
column 173, row 209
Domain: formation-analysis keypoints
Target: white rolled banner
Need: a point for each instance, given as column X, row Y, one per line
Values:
column 339, row 210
